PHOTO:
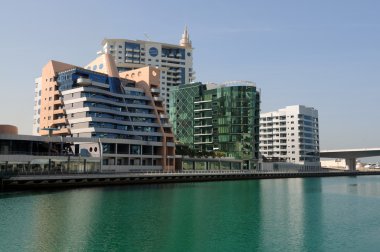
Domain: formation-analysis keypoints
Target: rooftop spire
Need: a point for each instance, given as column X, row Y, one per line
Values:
column 185, row 40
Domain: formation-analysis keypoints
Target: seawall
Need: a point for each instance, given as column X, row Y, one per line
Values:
column 103, row 179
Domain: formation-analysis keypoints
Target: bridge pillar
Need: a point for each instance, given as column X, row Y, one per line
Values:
column 351, row 164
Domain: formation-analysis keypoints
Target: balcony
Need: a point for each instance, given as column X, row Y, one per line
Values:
column 167, row 125
column 202, row 109
column 155, row 90
column 83, row 81
column 58, row 111
column 57, row 102
column 164, row 116
column 158, row 98
column 59, row 121
column 203, row 142
column 202, row 126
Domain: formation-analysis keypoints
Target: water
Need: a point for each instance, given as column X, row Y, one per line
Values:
column 312, row 214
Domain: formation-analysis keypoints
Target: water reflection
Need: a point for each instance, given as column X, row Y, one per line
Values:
column 319, row 214
column 283, row 213
column 62, row 221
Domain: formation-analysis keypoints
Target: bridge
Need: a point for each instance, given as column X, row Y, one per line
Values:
column 350, row 155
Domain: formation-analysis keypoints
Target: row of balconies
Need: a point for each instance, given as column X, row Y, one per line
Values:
column 133, row 54
column 132, row 50
column 171, row 55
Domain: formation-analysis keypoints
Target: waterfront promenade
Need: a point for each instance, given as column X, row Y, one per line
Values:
column 50, row 180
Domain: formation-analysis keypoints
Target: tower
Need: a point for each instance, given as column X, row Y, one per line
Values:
column 185, row 40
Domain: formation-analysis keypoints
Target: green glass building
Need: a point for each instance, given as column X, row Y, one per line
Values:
column 218, row 117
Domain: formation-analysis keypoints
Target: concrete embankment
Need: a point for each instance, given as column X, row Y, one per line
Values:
column 101, row 179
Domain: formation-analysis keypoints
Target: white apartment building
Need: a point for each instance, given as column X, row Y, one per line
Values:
column 37, row 106
column 290, row 134
column 174, row 61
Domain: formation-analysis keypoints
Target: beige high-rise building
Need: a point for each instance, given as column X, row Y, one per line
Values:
column 174, row 61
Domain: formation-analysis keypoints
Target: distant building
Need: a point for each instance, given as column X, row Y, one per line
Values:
column 175, row 61
column 290, row 134
column 37, row 106
column 212, row 117
column 334, row 163
column 102, row 103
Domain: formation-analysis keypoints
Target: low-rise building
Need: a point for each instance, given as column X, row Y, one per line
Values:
column 291, row 135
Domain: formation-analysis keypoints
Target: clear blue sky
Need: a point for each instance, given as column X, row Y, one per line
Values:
column 324, row 54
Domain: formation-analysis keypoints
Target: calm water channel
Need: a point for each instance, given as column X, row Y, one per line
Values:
column 313, row 214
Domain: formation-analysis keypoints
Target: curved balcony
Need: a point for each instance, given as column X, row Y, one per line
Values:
column 83, row 81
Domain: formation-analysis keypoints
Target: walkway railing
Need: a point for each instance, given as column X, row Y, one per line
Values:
column 15, row 173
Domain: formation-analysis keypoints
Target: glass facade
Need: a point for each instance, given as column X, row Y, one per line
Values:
column 222, row 118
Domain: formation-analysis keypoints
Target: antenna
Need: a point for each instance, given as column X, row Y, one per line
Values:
column 147, row 37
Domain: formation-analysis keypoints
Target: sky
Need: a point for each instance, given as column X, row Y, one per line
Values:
column 323, row 54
